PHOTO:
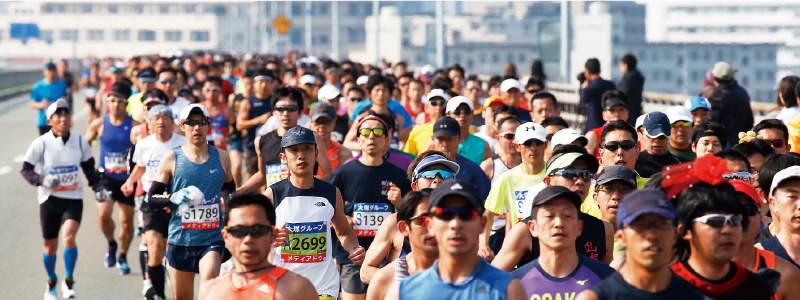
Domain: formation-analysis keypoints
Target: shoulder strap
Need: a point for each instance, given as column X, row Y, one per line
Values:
column 769, row 258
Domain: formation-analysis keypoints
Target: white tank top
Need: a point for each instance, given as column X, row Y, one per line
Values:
column 148, row 154
column 63, row 159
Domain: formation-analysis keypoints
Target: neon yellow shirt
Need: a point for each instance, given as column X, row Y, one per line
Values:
column 508, row 192
column 590, row 208
column 135, row 106
column 418, row 138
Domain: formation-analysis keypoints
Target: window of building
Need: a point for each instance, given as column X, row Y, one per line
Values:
column 679, row 82
column 495, row 58
column 199, row 36
column 745, row 80
column 457, row 58
column 406, row 43
column 483, row 58
column 69, row 35
column 122, row 35
column 163, row 8
column 94, row 35
column 680, row 60
column 323, row 39
column 667, row 75
column 296, row 9
column 510, row 58
column 86, row 8
column 113, row 8
column 759, row 75
column 190, row 8
column 45, row 35
column 352, row 9
column 356, row 35
column 367, row 8
column 745, row 61
column 323, row 9
column 521, row 57
column 47, row 8
column 296, row 36
column 656, row 75
column 173, row 35
column 470, row 64
column 695, row 56
column 147, row 35
column 719, row 55
column 138, row 8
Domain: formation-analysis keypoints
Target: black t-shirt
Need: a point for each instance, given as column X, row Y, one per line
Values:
column 364, row 191
column 647, row 165
column 745, row 285
column 615, row 287
column 340, row 129
column 591, row 243
column 270, row 146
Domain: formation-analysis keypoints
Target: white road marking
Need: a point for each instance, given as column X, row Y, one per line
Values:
column 5, row 170
column 19, row 158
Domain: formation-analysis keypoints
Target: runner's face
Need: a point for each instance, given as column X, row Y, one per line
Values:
column 117, row 105
column 621, row 157
column 247, row 84
column 541, row 108
column 707, row 145
column 507, row 145
column 681, row 136
column 161, row 123
column 772, row 134
column 435, row 111
column 609, row 201
column 700, row 115
column 61, row 122
column 457, row 237
column 373, row 145
column 511, row 97
column 248, row 251
column 616, row 113
column 323, row 127
column 457, row 79
column 556, row 224
column 380, row 95
column 714, row 244
column 211, row 90
column 415, row 91
column 654, row 146
column 164, row 85
column 286, row 119
column 646, row 245
column 196, row 135
column 300, row 158
column 447, row 145
column 420, row 237
column 473, row 90
column 533, row 154
column 755, row 221
column 464, row 120
column 785, row 203
column 262, row 88
column 579, row 186
column 423, row 183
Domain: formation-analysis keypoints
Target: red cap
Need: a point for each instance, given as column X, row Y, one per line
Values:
column 746, row 188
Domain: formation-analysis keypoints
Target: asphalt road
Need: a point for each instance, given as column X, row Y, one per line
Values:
column 23, row 275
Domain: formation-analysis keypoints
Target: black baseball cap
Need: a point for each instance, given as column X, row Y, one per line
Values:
column 298, row 135
column 446, row 126
column 456, row 187
column 121, row 89
column 646, row 200
column 614, row 102
column 555, row 191
column 611, row 173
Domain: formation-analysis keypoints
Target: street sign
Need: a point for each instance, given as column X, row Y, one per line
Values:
column 282, row 24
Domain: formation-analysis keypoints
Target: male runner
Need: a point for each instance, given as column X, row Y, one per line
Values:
column 113, row 130
column 253, row 113
column 248, row 234
column 446, row 138
column 309, row 207
column 167, row 82
column 435, row 104
column 558, row 272
column 147, row 156
column 783, row 199
column 457, row 221
column 323, row 119
column 472, row 147
column 44, row 93
column 198, row 176
column 613, row 183
column 648, row 235
column 221, row 114
column 507, row 156
column 58, row 154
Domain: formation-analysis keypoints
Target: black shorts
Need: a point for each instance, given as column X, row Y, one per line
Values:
column 250, row 160
column 350, row 276
column 155, row 219
column 115, row 187
column 55, row 211
column 187, row 258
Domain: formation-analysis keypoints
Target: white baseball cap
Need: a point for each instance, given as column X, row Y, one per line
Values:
column 362, row 80
column 308, row 79
column 328, row 92
column 60, row 103
column 565, row 137
column 639, row 122
column 527, row 131
column 189, row 108
column 426, row 69
column 452, row 104
column 510, row 83
column 437, row 93
column 678, row 113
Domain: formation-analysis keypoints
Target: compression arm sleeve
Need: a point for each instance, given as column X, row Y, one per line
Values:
column 29, row 174
column 89, row 171
column 227, row 189
column 157, row 197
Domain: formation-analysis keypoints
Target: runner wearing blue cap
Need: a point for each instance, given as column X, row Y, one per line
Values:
column 46, row 92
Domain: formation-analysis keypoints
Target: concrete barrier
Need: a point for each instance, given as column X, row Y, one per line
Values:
column 14, row 83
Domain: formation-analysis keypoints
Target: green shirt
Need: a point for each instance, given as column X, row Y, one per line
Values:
column 472, row 148
column 687, row 153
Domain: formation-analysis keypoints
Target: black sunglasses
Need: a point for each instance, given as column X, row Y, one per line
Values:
column 776, row 143
column 290, row 108
column 573, row 174
column 533, row 142
column 613, row 146
column 461, row 112
column 255, row 231
column 356, row 99
column 752, row 209
column 195, row 122
column 448, row 213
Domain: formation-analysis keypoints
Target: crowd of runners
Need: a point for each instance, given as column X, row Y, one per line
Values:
column 296, row 177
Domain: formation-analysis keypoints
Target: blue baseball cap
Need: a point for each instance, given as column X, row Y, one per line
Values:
column 433, row 160
column 49, row 66
column 656, row 124
column 298, row 135
column 646, row 200
column 147, row 74
column 697, row 102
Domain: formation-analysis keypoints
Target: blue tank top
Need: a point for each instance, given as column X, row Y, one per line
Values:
column 115, row 143
column 486, row 282
column 200, row 225
column 540, row 285
column 257, row 107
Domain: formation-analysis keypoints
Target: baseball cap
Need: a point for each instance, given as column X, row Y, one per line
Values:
column 780, row 177
column 639, row 202
column 723, row 70
column 436, row 93
column 566, row 136
column 322, row 110
column 678, row 113
column 611, row 173
column 446, row 126
column 55, row 106
column 492, row 100
column 115, row 69
column 696, row 102
column 362, row 80
column 154, row 99
column 530, row 130
column 328, row 93
column 639, row 122
column 193, row 108
column 308, row 79
column 120, row 89
column 297, row 135
column 433, row 160
column 555, row 191
column 454, row 103
column 614, row 102
column 656, row 124
column 456, row 187
column 510, row 83
column 426, row 70
column 746, row 188
column 146, row 74
column 49, row 66
column 565, row 160
column 185, row 90
column 159, row 109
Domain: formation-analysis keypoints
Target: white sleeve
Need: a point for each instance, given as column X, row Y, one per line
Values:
column 87, row 149
column 35, row 152
column 137, row 155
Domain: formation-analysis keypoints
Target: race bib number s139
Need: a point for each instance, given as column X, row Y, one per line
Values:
column 369, row 217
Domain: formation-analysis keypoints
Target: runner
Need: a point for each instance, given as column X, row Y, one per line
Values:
column 613, row 183
column 147, row 156
column 553, row 125
column 249, row 233
column 91, row 86
column 58, row 154
column 236, row 137
column 615, row 108
column 219, row 111
column 115, row 75
column 681, row 131
column 558, row 272
column 507, row 156
column 435, row 102
column 323, row 120
column 331, row 95
column 654, row 154
column 783, row 203
column 252, row 114
column 147, row 81
column 167, row 82
column 364, row 184
column 543, row 106
column 459, row 273
column 646, row 231
column 301, row 208
column 46, row 92
column 708, row 138
column 195, row 243
column 472, row 147
column 379, row 89
column 446, row 138
column 489, row 129
column 113, row 131
column 774, row 132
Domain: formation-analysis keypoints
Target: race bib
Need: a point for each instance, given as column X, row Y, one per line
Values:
column 217, row 134
column 369, row 216
column 116, row 162
column 273, row 174
column 308, row 243
column 68, row 176
column 519, row 202
column 203, row 216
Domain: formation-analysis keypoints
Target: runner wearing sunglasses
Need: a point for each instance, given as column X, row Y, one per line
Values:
column 248, row 233
column 506, row 155
column 680, row 143
column 435, row 104
column 783, row 198
column 457, row 221
column 774, row 132
column 472, row 147
column 168, row 82
column 221, row 114
column 654, row 154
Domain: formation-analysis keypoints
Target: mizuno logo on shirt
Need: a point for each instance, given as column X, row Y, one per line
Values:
column 582, row 282
column 319, row 204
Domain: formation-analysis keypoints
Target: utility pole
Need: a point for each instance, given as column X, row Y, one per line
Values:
column 335, row 30
column 274, row 14
column 308, row 27
column 376, row 16
column 566, row 38
column 287, row 11
column 262, row 26
column 440, row 34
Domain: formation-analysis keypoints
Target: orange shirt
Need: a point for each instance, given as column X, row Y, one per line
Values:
column 332, row 152
column 261, row 288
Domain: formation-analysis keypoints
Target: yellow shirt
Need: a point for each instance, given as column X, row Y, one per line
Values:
column 590, row 208
column 135, row 106
column 508, row 192
column 419, row 137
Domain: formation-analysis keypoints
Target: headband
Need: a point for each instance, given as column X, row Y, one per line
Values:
column 154, row 98
column 262, row 77
column 373, row 118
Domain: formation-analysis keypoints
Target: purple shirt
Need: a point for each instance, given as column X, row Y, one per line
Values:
column 397, row 159
column 540, row 285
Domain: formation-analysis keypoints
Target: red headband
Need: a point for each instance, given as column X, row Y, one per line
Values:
column 709, row 168
column 373, row 118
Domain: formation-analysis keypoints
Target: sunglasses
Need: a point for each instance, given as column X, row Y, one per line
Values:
column 573, row 174
column 720, row 220
column 613, row 146
column 289, row 108
column 147, row 79
column 213, row 88
column 367, row 131
column 255, row 231
column 781, row 143
column 659, row 225
column 533, row 91
column 165, row 81
column 117, row 99
column 431, row 174
column 738, row 175
column 681, row 124
column 507, row 135
column 533, row 142
column 195, row 122
column 437, row 102
column 356, row 99
column 612, row 189
column 331, row 70
column 448, row 213
column 752, row 209
column 420, row 220
column 474, row 88
column 461, row 112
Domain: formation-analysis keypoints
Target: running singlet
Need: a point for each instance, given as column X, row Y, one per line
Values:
column 739, row 283
column 144, row 131
column 472, row 148
column 219, row 125
column 508, row 194
column 148, row 154
column 616, row 288
column 115, row 143
column 258, row 107
column 400, row 268
column 199, row 225
column 56, row 157
column 261, row 288
column 307, row 213
column 540, row 285
column 774, row 245
column 485, row 283
column 764, row 260
column 270, row 145
column 591, row 243
column 499, row 168
column 332, row 152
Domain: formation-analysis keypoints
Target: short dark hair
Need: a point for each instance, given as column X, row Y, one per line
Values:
column 718, row 129
column 618, row 125
column 511, row 110
column 555, row 120
column 733, row 155
column 534, row 80
column 387, row 117
column 408, row 206
column 593, row 66
column 473, row 78
column 545, row 95
column 166, row 70
column 441, row 82
column 356, row 89
column 154, row 92
column 215, row 79
column 568, row 148
column 419, row 158
column 295, row 94
column 772, row 124
column 244, row 198
column 629, row 60
column 774, row 164
column 496, row 79
column 265, row 72
column 377, row 79
column 408, row 75
column 458, row 68
column 329, row 63
column 655, row 181
column 251, row 73
column 507, row 119
column 788, row 90
column 150, row 69
column 402, row 63
column 754, row 146
column 699, row 200
column 202, row 67
column 608, row 95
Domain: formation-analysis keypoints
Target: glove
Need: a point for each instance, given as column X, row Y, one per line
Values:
column 50, row 181
column 191, row 195
column 101, row 194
